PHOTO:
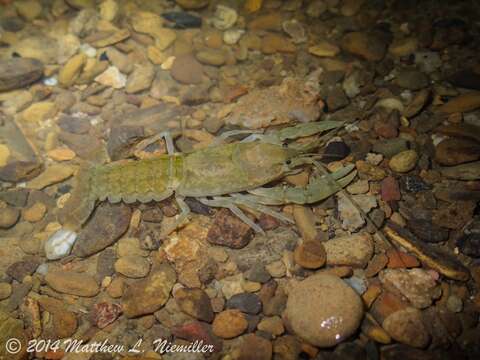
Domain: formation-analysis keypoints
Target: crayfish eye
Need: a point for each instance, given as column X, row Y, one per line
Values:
column 288, row 162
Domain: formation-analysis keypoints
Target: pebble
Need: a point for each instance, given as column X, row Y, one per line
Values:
column 140, row 79
column 132, row 266
column 4, row 155
column 5, row 290
column 245, row 302
column 456, row 151
column 310, row 255
column 403, row 47
column 232, row 36
column 68, row 282
column 39, row 111
column 109, row 10
column 335, row 151
column 390, row 147
column 276, row 269
column 427, row 231
column 8, row 217
column 323, row 310
column 358, row 187
column 365, row 45
column 351, row 7
column 255, row 347
column 406, row 326
column 229, row 324
column 192, row 4
column 470, row 171
column 228, row 230
column 417, row 285
column 404, row 161
column 105, row 313
column 187, row 70
column 150, row 294
column 412, row 79
column 224, row 17
column 71, row 70
column 211, row 57
column 390, row 191
column 272, row 21
column 295, row 30
column 272, row 325
column 112, row 77
column 324, row 49
column 462, row 103
column 61, row 154
column 35, row 213
column 351, row 218
column 127, row 246
column 454, row 304
column 351, row 250
column 11, row 328
column 194, row 302
column 19, row 72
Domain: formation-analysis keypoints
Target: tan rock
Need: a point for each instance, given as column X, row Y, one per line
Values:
column 351, row 7
column 192, row 4
column 132, row 266
column 5, row 290
column 108, row 10
column 146, row 22
column 406, row 326
column 403, row 47
column 140, row 79
column 61, row 154
column 39, row 111
column 164, row 37
column 72, row 283
column 35, row 213
column 4, row 155
column 52, row 175
column 229, row 324
column 272, row 21
column 324, row 49
column 272, row 43
column 112, row 77
column 462, row 103
column 404, row 161
column 364, row 45
column 352, row 250
column 71, row 70
column 155, row 55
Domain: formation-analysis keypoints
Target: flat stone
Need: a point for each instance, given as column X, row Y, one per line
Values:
column 39, row 111
column 194, row 302
column 406, row 326
column 140, row 79
column 19, row 72
column 456, row 151
column 254, row 347
column 228, row 230
column 8, row 217
column 364, row 45
column 272, row 21
column 72, row 283
column 412, row 79
column 229, row 324
column 71, row 70
column 11, row 328
column 245, row 302
column 212, row 57
column 351, row 250
column 187, row 70
column 35, row 213
column 351, row 218
column 323, row 310
column 132, row 266
column 150, row 294
column 390, row 191
column 404, row 161
column 427, row 231
column 462, row 103
column 192, row 4
column 310, row 255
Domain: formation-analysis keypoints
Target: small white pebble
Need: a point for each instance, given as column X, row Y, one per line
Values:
column 50, row 81
column 42, row 269
column 59, row 244
column 374, row 159
column 88, row 50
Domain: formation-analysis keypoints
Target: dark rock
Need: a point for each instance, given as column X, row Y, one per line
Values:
column 17, row 197
column 412, row 79
column 85, row 146
column 390, row 147
column 427, row 231
column 109, row 222
column 182, row 20
column 350, row 351
column 469, row 244
column 404, row 352
column 12, row 23
column 18, row 171
column 414, row 184
column 73, row 124
column 152, row 214
column 9, row 217
column 105, row 262
column 336, row 100
column 19, row 72
column 255, row 347
column 20, row 269
column 228, row 230
column 390, row 190
column 465, row 79
column 197, row 207
column 457, row 151
column 258, row 273
column 122, row 139
column 246, row 302
column 335, row 151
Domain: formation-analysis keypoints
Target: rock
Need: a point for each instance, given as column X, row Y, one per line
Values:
column 358, row 187
column 128, row 246
column 232, row 36
column 412, row 79
column 351, row 217
column 414, row 184
column 104, row 313
column 455, row 215
column 11, row 328
column 35, row 213
column 245, row 302
column 18, row 270
column 60, row 244
column 229, row 230
column 417, row 285
column 335, row 151
column 108, row 223
column 4, row 155
column 295, row 30
column 418, row 103
column 310, row 255
column 164, row 37
column 140, row 79
column 351, row 7
column 400, row 260
column 229, row 324
column 183, row 20
column 211, row 57
column 273, row 43
column 194, row 302
column 272, row 325
column 65, row 323
column 254, row 347
column 52, row 175
column 404, row 161
column 427, row 231
column 19, row 72
column 81, row 4
column 41, row 48
column 390, row 191
column 71, row 70
column 28, row 9
column 470, row 171
column 198, row 331
column 5, row 290
column 324, row 49
column 132, row 266
column 406, row 327
column 351, row 250
column 61, row 154
column 8, row 217
column 390, row 147
column 150, row 294
column 276, row 269
column 365, row 45
column 272, row 21
column 336, row 100
column 68, row 282
column 112, row 77
column 316, row 8
column 456, row 151
column 323, row 310
column 39, row 111
column 224, row 17
column 403, row 47
column 108, row 10
column 187, row 70
column 467, row 79
column 469, row 245
column 462, row 103
column 192, row 4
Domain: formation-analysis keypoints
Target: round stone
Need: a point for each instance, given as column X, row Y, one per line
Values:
column 323, row 310
column 404, row 161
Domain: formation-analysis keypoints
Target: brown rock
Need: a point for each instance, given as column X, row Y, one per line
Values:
column 192, row 4
column 352, row 250
column 105, row 313
column 272, row 21
column 19, row 72
column 365, row 45
column 390, row 191
column 377, row 263
column 133, row 266
column 150, row 294
column 65, row 323
column 462, row 103
column 187, row 70
column 254, row 347
column 35, row 213
column 229, row 324
column 12, row 328
column 455, row 215
column 8, row 217
column 310, row 255
column 406, row 326
column 195, row 302
column 273, row 43
column 457, row 151
column 398, row 259
column 72, row 283
column 229, row 230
